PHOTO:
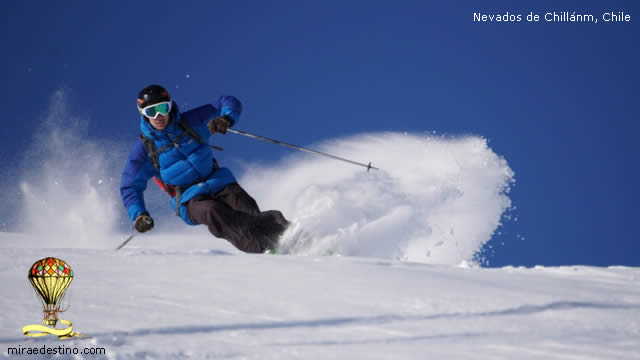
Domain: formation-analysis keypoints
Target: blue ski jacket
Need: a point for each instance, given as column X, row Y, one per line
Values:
column 182, row 164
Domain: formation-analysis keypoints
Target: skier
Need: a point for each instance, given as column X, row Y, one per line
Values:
column 174, row 151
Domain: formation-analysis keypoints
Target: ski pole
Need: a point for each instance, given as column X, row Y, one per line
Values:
column 368, row 166
column 128, row 239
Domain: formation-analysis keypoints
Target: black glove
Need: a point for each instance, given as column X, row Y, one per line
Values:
column 219, row 124
column 143, row 223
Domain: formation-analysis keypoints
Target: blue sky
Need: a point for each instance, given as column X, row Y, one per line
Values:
column 559, row 101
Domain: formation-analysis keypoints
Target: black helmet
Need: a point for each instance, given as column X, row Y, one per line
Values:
column 152, row 94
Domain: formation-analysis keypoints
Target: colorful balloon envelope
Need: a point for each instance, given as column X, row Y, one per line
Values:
column 50, row 278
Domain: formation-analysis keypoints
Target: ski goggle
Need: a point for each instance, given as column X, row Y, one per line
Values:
column 152, row 111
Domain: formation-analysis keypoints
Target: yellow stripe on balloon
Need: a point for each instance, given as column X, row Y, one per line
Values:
column 41, row 330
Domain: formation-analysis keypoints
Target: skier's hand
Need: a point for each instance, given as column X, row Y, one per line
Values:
column 143, row 223
column 219, row 124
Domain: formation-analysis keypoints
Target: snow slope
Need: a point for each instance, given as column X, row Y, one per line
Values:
column 404, row 281
column 158, row 300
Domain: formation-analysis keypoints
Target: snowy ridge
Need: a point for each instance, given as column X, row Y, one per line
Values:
column 164, row 299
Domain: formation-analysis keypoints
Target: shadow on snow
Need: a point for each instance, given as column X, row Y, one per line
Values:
column 347, row 321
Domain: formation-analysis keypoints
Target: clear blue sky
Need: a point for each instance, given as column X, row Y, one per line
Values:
column 560, row 101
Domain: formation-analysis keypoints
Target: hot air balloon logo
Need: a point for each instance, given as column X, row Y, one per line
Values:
column 50, row 278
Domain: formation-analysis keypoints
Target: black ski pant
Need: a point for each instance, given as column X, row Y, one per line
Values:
column 234, row 215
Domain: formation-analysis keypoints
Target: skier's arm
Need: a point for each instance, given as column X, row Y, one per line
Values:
column 137, row 171
column 230, row 107
column 227, row 106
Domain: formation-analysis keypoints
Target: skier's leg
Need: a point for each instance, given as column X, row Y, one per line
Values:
column 224, row 222
column 271, row 224
column 238, row 199
column 232, row 214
